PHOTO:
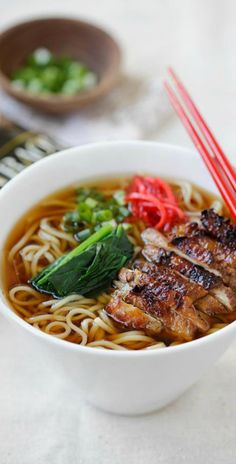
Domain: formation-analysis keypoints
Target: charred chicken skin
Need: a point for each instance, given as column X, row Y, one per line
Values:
column 182, row 283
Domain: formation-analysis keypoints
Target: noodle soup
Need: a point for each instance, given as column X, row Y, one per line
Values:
column 54, row 228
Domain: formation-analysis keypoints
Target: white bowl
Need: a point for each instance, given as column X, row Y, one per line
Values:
column 119, row 382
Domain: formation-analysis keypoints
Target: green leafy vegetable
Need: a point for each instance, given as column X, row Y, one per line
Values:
column 88, row 269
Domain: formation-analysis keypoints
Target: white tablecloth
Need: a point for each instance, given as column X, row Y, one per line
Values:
column 41, row 421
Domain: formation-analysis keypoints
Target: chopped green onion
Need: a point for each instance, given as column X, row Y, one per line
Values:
column 76, row 70
column 40, row 57
column 35, row 85
column 83, row 234
column 85, row 213
column 72, row 221
column 101, row 216
column 124, row 211
column 89, row 80
column 94, row 209
column 119, row 196
column 127, row 226
column 44, row 72
column 112, row 223
column 52, row 78
column 84, row 193
column 71, row 87
column 91, row 203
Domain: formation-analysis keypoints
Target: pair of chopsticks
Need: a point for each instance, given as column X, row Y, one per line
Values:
column 216, row 161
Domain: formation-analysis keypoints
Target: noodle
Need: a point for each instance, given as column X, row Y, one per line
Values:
column 193, row 200
column 76, row 318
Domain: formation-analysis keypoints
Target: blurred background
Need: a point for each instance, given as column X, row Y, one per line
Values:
column 197, row 37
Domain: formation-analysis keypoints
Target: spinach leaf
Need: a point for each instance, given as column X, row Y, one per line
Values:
column 88, row 269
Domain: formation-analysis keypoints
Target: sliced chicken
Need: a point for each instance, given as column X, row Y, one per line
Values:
column 183, row 283
column 191, row 271
column 219, row 228
column 132, row 317
column 171, row 278
column 171, row 307
column 209, row 252
column 199, row 244
column 224, row 297
column 199, row 250
column 200, row 297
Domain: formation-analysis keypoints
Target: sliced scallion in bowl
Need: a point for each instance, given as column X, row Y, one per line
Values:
column 45, row 73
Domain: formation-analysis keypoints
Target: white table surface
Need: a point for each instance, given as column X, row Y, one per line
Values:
column 41, row 421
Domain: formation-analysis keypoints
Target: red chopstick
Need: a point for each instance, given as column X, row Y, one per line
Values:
column 219, row 175
column 214, row 145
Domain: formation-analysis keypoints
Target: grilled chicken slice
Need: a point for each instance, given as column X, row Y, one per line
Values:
column 198, row 248
column 224, row 298
column 191, row 271
column 207, row 251
column 186, row 279
column 154, row 237
column 213, row 248
column 199, row 296
column 132, row 317
column 171, row 278
column 219, row 227
column 171, row 307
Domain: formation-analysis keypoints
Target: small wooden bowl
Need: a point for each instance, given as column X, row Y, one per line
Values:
column 68, row 37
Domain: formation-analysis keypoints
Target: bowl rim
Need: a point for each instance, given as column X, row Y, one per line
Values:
column 101, row 86
column 7, row 311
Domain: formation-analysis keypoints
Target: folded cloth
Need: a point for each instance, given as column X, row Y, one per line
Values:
column 135, row 109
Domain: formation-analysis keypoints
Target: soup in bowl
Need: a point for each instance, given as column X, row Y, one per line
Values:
column 114, row 259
